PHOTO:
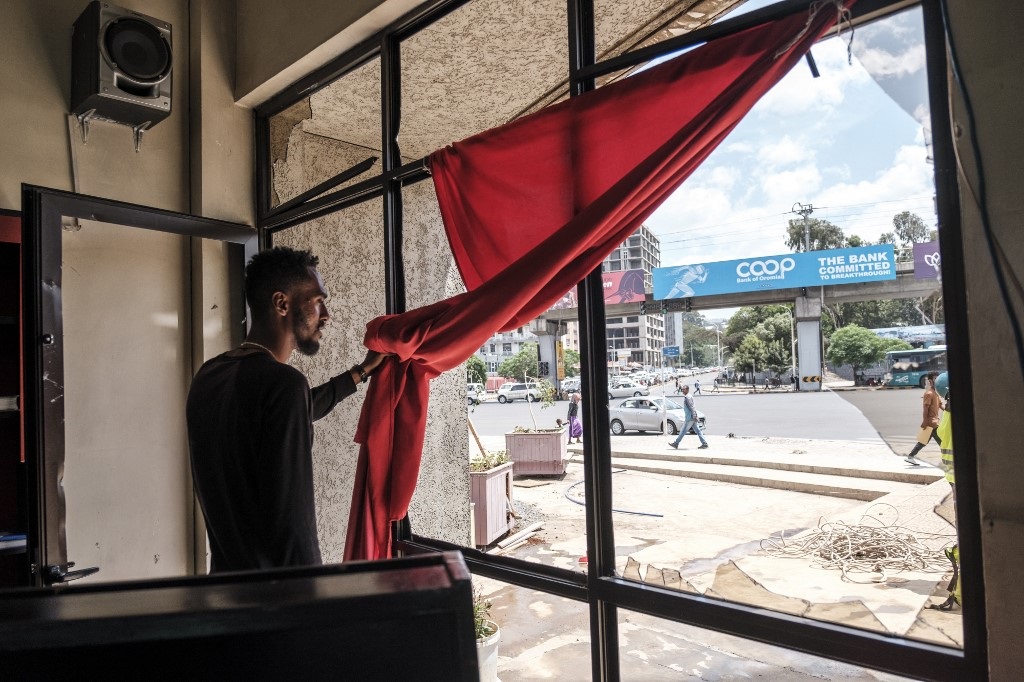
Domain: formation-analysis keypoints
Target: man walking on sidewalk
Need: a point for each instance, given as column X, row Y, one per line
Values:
column 691, row 421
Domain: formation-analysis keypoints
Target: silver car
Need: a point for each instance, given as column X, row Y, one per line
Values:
column 624, row 388
column 647, row 414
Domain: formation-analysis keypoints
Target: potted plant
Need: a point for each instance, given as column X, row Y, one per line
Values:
column 487, row 636
column 490, row 491
column 538, row 451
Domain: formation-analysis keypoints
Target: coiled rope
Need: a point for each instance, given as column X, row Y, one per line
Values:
column 877, row 550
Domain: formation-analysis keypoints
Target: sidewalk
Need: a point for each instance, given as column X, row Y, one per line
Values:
column 723, row 522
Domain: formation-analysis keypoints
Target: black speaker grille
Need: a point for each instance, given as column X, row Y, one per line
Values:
column 138, row 49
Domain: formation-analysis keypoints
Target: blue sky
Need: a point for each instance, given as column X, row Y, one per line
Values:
column 838, row 142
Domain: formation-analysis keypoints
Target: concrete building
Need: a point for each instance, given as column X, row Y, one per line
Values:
column 271, row 99
column 641, row 335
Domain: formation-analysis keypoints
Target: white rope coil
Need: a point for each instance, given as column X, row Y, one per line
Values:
column 878, row 551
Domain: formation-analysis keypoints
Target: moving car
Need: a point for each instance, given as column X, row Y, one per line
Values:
column 625, row 388
column 509, row 392
column 647, row 414
column 475, row 393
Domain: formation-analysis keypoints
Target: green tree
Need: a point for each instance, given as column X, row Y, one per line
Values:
column 910, row 229
column 747, row 318
column 894, row 344
column 476, row 370
column 571, row 359
column 778, row 357
column 521, row 365
column 823, row 235
column 751, row 354
column 856, row 346
column 778, row 327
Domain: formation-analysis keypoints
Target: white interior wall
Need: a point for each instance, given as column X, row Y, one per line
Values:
column 197, row 160
column 126, row 479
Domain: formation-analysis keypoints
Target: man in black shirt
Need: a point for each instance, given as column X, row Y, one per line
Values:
column 250, row 421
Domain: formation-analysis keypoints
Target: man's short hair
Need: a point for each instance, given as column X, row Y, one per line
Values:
column 277, row 269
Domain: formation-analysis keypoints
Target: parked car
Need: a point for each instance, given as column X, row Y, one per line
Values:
column 475, row 393
column 625, row 388
column 571, row 384
column 647, row 414
column 509, row 392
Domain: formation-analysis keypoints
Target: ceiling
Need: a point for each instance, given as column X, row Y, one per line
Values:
column 483, row 65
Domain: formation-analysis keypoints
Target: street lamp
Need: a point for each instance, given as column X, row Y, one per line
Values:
column 792, row 344
column 718, row 333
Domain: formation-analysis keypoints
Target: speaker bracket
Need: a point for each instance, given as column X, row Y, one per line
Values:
column 83, row 122
column 85, row 118
column 137, row 134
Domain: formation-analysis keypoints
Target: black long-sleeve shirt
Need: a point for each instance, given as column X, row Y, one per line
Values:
column 250, row 425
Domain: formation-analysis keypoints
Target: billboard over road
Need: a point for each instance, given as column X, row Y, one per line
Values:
column 927, row 262
column 622, row 286
column 816, row 268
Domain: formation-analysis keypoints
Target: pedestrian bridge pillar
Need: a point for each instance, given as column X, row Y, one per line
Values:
column 808, row 335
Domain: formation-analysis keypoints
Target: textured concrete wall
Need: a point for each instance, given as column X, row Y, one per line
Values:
column 440, row 508
column 350, row 247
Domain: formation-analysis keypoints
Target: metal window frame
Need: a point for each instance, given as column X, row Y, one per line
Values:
column 601, row 589
column 43, row 338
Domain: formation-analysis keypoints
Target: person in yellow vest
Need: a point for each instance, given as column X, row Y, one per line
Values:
column 945, row 433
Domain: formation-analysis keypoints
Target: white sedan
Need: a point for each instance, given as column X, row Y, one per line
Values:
column 648, row 414
column 626, row 388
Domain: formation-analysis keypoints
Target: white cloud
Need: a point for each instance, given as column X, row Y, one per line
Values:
column 798, row 182
column 800, row 92
column 837, row 142
column 881, row 62
column 866, row 207
column 784, row 152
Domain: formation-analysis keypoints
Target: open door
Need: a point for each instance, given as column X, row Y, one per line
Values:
column 116, row 320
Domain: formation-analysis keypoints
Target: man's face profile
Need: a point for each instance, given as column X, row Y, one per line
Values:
column 309, row 313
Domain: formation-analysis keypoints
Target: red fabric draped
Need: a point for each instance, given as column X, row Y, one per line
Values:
column 530, row 209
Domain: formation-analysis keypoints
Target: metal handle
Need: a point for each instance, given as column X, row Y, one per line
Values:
column 60, row 573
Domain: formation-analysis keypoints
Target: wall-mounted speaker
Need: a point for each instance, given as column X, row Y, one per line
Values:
column 120, row 66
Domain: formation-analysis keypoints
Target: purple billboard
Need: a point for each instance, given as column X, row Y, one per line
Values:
column 927, row 262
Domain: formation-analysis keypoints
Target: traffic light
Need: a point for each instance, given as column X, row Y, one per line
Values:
column 543, row 369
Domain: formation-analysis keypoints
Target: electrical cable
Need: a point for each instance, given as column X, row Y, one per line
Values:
column 877, row 550
column 582, row 503
column 995, row 250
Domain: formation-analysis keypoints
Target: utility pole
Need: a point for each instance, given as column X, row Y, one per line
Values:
column 804, row 210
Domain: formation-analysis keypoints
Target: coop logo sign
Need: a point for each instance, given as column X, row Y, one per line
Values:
column 785, row 271
column 769, row 268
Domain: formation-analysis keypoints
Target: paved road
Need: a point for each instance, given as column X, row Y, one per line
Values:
column 896, row 414
column 851, row 415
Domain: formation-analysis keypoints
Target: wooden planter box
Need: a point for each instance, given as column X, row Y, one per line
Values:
column 490, row 492
column 537, row 453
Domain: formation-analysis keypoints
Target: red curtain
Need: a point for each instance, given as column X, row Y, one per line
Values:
column 530, row 209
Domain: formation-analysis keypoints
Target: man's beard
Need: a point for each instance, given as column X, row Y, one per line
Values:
column 307, row 345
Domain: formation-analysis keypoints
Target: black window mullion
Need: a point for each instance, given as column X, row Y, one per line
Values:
column 264, row 170
column 391, row 113
column 954, row 297
column 604, row 628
